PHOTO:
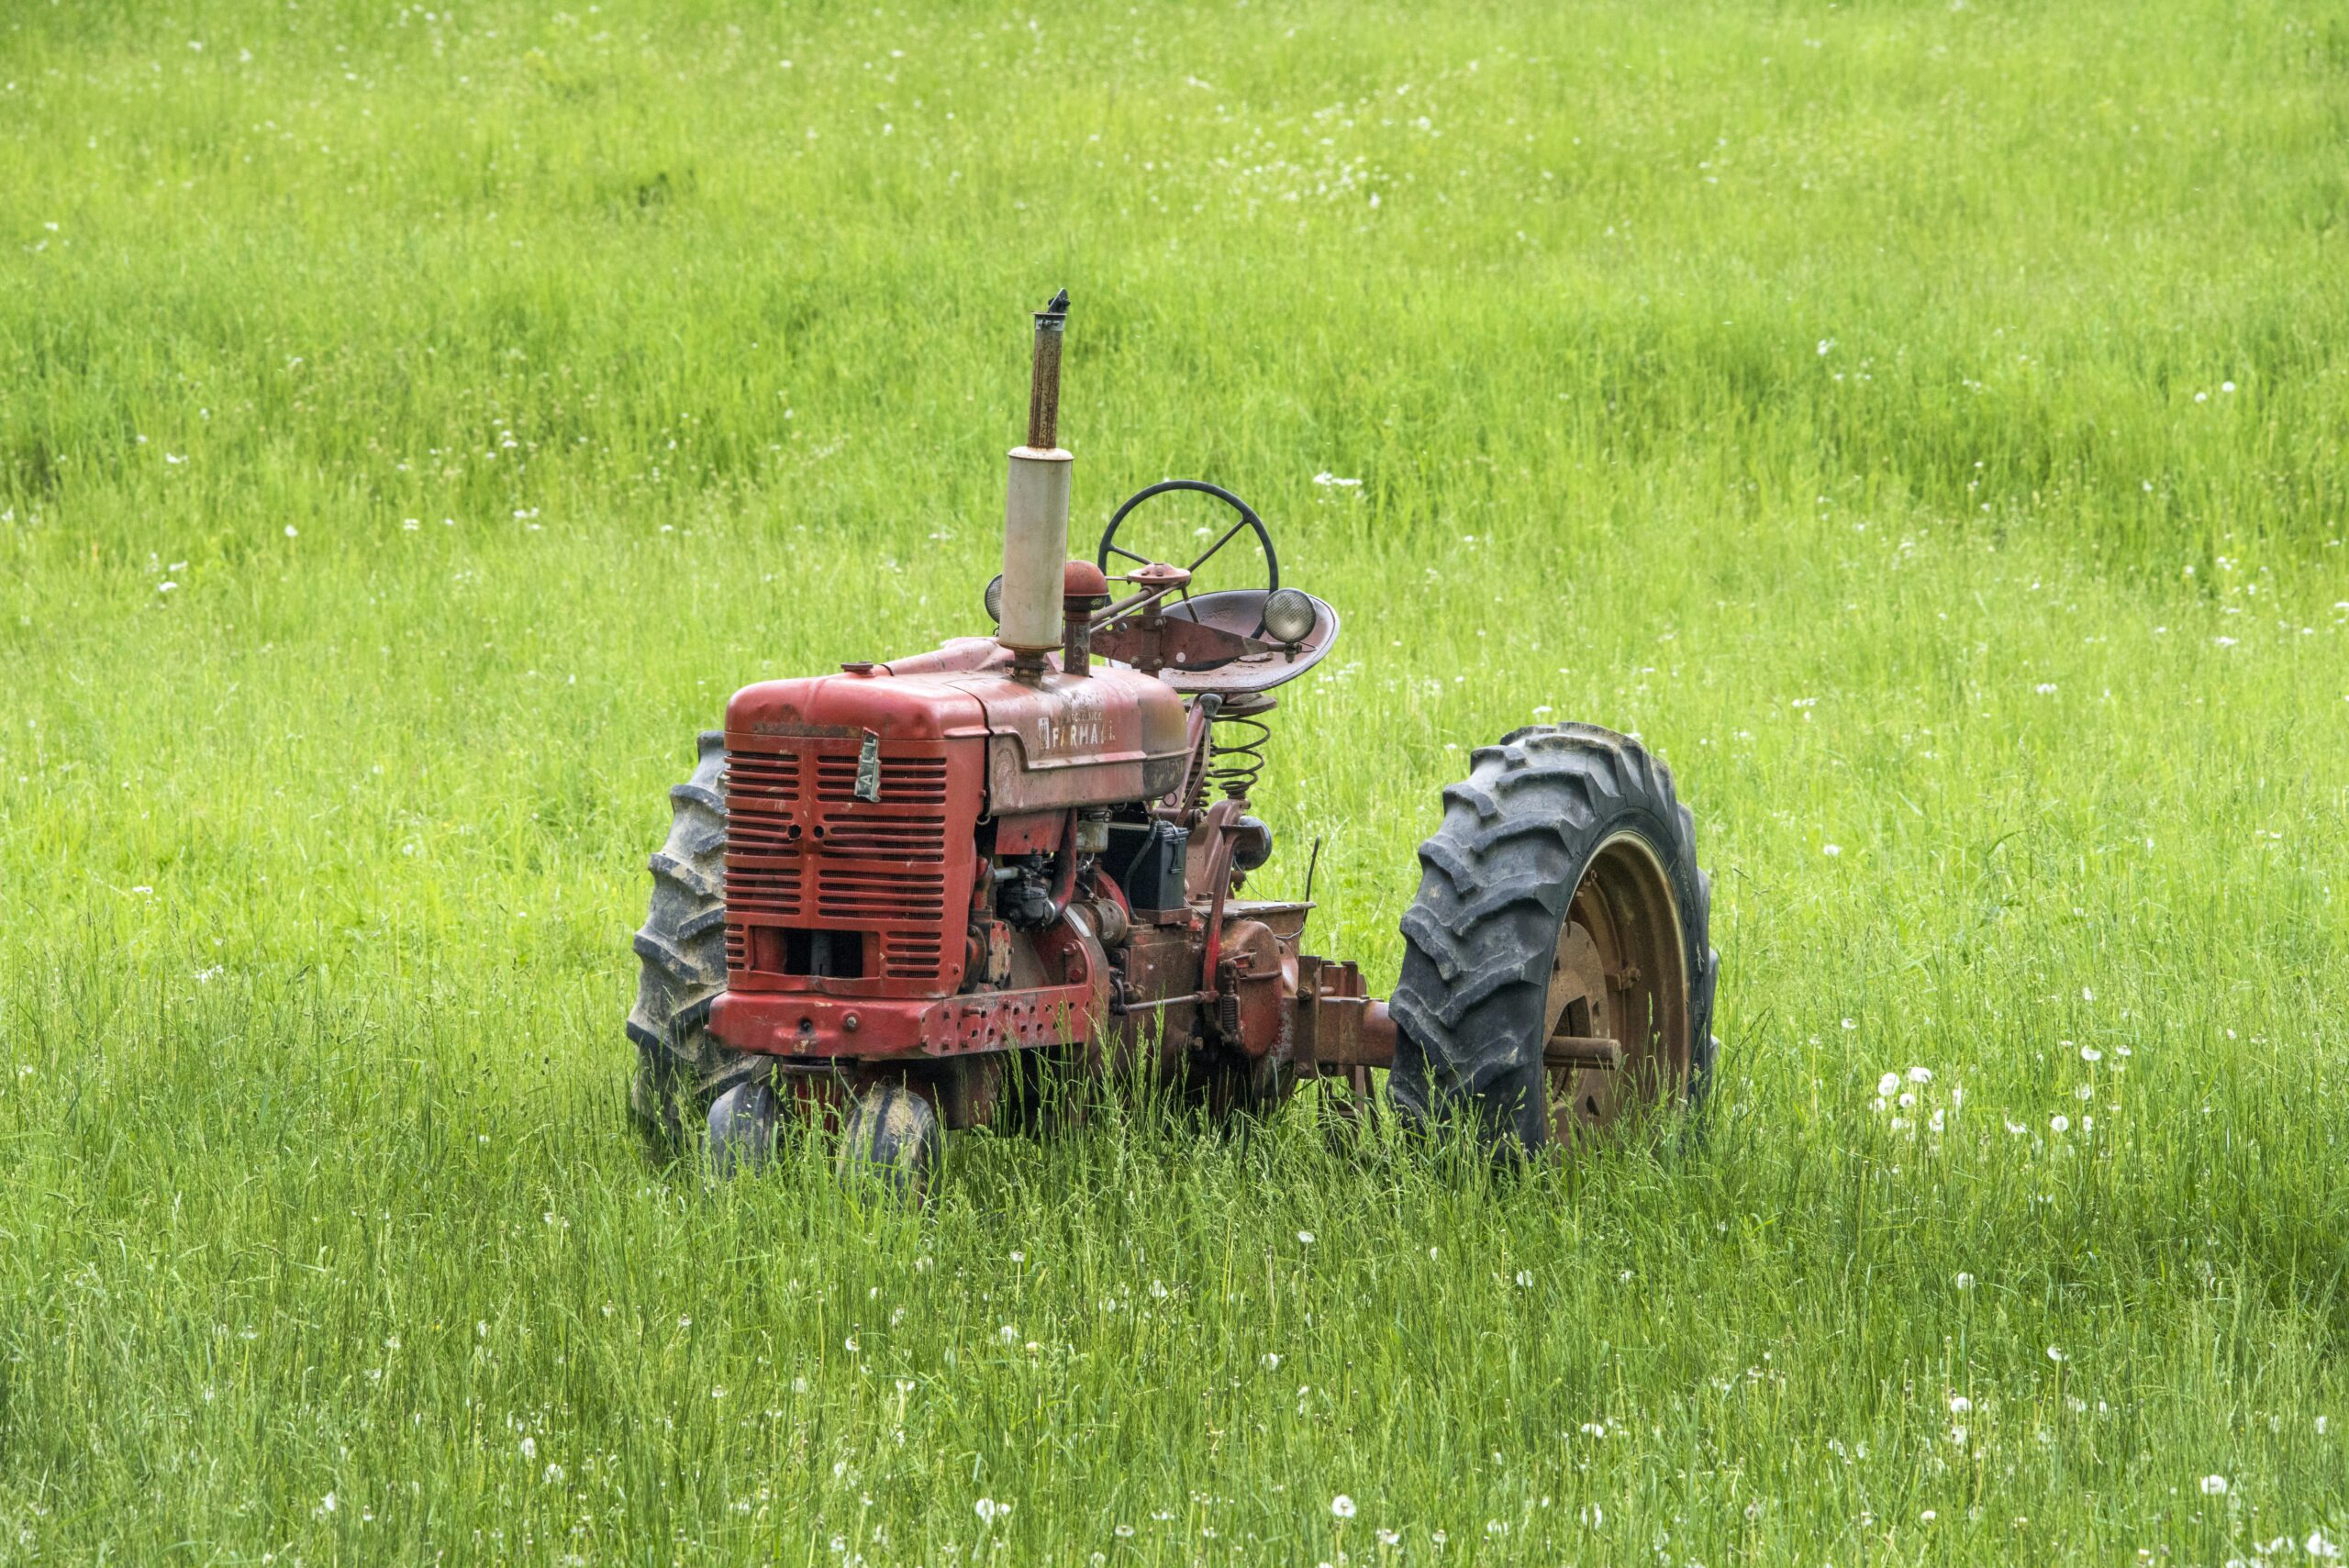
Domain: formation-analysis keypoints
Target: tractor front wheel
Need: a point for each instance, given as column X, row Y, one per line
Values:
column 891, row 1141
column 1556, row 977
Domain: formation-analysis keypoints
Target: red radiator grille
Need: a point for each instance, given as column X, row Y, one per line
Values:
column 818, row 859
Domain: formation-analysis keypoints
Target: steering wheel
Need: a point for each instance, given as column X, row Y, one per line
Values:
column 1247, row 520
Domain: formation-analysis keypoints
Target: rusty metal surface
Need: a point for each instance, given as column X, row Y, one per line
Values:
column 1251, row 974
column 1338, row 1028
column 842, row 839
column 1063, row 999
column 1215, row 642
column 1618, row 995
column 1061, row 740
column 1044, row 377
column 806, row 1024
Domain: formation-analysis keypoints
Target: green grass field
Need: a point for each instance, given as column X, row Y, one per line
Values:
column 1924, row 425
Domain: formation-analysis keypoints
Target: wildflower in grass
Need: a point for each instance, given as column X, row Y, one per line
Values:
column 1342, row 1505
column 2214, row 1486
column 1390, row 1538
column 1271, row 1360
column 291, row 531
column 848, row 1344
column 2317, row 1545
column 1888, row 1084
column 2090, row 1054
column 553, row 1475
column 1959, row 1404
column 1831, row 850
column 1007, row 1334
column 990, row 1510
column 1305, row 1236
column 529, row 1446
column 2060, row 1123
column 2056, row 1353
column 1964, row 1281
column 326, row 1506
column 1525, row 1279
column 1920, row 1074
column 1123, row 1532
column 1957, row 1436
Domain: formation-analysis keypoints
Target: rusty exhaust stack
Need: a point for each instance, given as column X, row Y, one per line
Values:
column 1035, row 514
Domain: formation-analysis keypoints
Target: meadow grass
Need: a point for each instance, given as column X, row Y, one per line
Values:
column 1923, row 425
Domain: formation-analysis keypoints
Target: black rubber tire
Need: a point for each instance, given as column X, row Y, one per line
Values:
column 742, row 1124
column 1229, row 1088
column 681, row 949
column 1479, row 939
column 891, row 1141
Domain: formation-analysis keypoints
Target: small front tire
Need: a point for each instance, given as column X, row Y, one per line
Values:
column 741, row 1128
column 892, row 1142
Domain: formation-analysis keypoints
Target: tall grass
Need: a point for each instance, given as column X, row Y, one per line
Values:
column 1923, row 426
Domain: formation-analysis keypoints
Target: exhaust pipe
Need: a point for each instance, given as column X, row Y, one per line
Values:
column 1035, row 511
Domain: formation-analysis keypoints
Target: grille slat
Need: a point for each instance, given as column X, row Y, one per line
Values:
column 905, row 781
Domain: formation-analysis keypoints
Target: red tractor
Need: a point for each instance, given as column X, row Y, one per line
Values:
column 890, row 894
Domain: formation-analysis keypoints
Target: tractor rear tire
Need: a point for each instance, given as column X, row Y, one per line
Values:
column 1565, row 854
column 681, row 949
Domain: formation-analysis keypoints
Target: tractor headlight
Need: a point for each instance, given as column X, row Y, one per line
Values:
column 994, row 599
column 1288, row 616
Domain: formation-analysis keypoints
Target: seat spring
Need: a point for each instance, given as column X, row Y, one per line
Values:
column 1234, row 763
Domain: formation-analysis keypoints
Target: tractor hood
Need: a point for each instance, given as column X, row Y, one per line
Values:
column 1052, row 742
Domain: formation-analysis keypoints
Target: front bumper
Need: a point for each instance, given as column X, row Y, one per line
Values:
column 804, row 1024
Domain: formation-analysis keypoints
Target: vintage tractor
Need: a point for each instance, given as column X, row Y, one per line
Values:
column 890, row 894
